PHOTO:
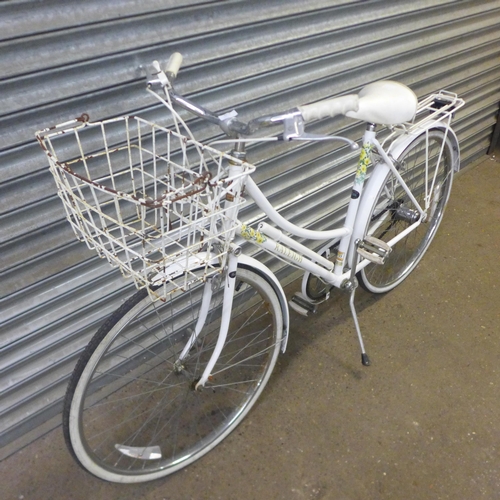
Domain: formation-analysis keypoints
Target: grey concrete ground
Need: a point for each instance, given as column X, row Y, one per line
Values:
column 421, row 423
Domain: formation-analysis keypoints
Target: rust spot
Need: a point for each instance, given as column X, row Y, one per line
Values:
column 84, row 117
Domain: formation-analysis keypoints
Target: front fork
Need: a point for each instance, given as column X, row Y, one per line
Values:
column 227, row 305
column 229, row 280
column 206, row 299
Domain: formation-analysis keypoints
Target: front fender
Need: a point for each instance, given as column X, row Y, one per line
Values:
column 198, row 260
column 267, row 274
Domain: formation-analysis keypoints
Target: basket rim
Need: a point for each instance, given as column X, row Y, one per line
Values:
column 201, row 182
column 83, row 121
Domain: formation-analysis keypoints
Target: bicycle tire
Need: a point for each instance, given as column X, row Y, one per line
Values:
column 392, row 211
column 130, row 417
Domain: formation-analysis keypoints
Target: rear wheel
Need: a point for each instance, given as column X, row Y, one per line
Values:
column 393, row 211
column 132, row 413
column 315, row 289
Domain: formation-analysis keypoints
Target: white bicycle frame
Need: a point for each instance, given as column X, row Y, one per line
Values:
column 347, row 264
column 274, row 241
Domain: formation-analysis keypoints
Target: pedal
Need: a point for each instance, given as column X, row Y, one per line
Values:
column 301, row 305
column 374, row 250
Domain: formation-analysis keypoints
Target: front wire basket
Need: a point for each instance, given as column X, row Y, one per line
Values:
column 146, row 198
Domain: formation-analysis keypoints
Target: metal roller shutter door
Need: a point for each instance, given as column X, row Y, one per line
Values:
column 60, row 59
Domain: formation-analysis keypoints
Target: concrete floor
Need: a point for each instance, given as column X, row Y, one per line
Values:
column 421, row 423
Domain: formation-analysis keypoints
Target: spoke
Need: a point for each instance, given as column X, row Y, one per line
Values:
column 128, row 398
column 230, row 384
column 157, row 413
column 249, row 318
column 147, row 349
column 231, row 339
column 129, row 418
column 159, row 319
column 135, row 379
column 251, row 342
column 246, row 359
column 141, row 403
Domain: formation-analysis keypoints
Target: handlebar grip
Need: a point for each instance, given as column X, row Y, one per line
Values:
column 330, row 107
column 174, row 63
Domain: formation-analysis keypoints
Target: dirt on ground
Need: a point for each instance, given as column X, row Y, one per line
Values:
column 421, row 423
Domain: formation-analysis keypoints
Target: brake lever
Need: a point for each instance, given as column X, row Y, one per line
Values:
column 293, row 130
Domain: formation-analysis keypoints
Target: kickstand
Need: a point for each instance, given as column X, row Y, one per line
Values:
column 351, row 286
column 364, row 357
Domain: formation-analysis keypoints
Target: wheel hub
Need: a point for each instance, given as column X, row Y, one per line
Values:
column 406, row 214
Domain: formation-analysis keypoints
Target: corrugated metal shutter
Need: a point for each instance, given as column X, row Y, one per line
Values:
column 59, row 59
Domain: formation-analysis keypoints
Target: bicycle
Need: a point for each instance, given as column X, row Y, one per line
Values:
column 178, row 366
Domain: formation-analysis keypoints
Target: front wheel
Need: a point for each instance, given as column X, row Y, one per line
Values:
column 132, row 412
column 426, row 166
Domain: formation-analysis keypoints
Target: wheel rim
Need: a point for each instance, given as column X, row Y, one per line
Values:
column 393, row 211
column 141, row 414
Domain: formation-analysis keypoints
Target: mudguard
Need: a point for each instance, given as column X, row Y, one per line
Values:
column 400, row 144
column 267, row 274
column 196, row 261
column 378, row 177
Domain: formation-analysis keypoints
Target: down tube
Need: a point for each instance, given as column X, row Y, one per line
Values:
column 283, row 252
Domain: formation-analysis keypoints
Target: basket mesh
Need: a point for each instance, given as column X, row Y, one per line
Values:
column 146, row 198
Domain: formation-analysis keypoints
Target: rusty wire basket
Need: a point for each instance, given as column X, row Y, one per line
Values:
column 148, row 199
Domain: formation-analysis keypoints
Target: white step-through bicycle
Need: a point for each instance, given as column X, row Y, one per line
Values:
column 178, row 366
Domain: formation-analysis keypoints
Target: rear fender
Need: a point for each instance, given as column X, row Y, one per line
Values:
column 402, row 142
column 378, row 176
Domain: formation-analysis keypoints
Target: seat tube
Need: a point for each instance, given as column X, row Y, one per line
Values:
column 357, row 189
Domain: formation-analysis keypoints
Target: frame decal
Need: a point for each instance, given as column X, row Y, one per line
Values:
column 251, row 234
column 363, row 163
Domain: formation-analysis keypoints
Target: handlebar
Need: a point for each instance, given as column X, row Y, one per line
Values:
column 292, row 120
column 174, row 64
